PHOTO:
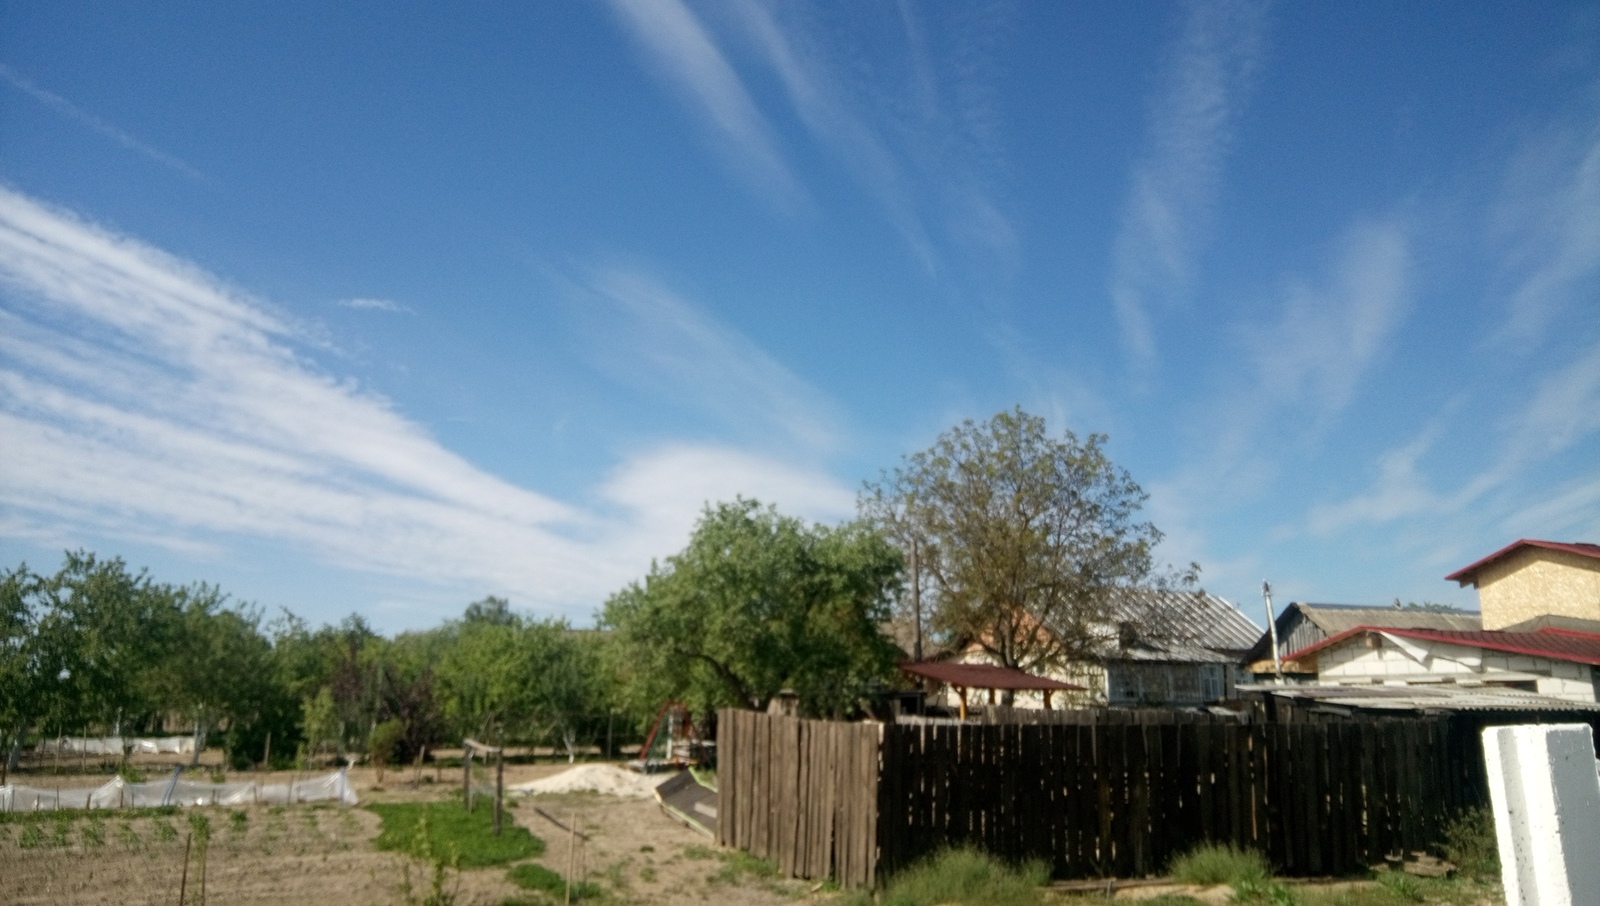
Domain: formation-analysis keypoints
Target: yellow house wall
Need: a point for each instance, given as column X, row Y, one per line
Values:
column 1534, row 582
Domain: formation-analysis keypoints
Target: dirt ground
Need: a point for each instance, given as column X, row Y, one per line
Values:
column 313, row 852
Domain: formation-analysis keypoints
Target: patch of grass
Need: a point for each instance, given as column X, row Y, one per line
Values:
column 1469, row 842
column 963, row 876
column 126, row 835
column 466, row 836
column 1401, row 885
column 533, row 876
column 739, row 866
column 696, row 851
column 1219, row 863
column 32, row 837
column 51, row 815
column 647, row 874
column 238, row 822
column 647, row 848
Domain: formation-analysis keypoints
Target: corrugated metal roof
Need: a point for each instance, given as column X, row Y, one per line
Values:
column 1168, row 653
column 1468, row 573
column 1559, row 644
column 1294, row 633
column 1432, row 697
column 1196, row 618
column 1336, row 618
column 982, row 676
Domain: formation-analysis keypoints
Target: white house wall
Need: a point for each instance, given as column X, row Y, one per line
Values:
column 1407, row 661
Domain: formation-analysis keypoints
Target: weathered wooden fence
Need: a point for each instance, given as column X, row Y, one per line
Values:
column 803, row 793
column 1090, row 798
column 1122, row 800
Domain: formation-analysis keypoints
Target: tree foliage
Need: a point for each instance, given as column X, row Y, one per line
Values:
column 757, row 603
column 1023, row 536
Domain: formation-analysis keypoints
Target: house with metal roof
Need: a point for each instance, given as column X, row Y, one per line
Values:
column 1152, row 647
column 1302, row 625
column 1555, row 663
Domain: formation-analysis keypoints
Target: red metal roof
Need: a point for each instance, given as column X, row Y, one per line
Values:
column 1558, row 644
column 1469, row 573
column 982, row 676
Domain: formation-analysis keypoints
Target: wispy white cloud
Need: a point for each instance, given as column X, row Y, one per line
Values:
column 1301, row 370
column 917, row 136
column 368, row 303
column 1546, row 222
column 1329, row 334
column 141, row 398
column 659, row 341
column 73, row 112
column 685, row 53
column 1176, row 183
column 1561, row 413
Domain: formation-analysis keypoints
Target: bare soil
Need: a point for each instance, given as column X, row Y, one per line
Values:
column 323, row 852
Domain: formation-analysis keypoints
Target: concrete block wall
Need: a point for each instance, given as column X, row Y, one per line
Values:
column 1545, row 788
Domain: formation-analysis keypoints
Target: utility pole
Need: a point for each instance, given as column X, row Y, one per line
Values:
column 1272, row 628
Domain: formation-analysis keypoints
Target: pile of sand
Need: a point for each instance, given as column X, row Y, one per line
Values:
column 598, row 778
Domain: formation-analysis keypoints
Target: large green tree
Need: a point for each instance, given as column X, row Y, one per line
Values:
column 757, row 603
column 1021, row 536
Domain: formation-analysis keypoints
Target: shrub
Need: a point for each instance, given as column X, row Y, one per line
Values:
column 1220, row 863
column 1469, row 842
column 966, row 876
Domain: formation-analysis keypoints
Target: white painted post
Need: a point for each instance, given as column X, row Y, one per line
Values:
column 1546, row 794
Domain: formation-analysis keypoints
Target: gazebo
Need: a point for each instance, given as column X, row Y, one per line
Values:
column 962, row 677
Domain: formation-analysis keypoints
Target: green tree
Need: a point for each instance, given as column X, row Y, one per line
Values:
column 218, row 668
column 756, row 603
column 1022, row 534
column 319, row 721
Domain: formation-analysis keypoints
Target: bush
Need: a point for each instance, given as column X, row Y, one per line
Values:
column 1469, row 842
column 966, row 876
column 1220, row 863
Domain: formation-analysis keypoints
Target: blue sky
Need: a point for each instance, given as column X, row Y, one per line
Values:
column 385, row 307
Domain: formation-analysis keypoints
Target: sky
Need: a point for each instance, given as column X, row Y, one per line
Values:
column 383, row 308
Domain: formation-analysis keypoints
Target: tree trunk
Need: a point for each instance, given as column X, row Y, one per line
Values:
column 15, row 755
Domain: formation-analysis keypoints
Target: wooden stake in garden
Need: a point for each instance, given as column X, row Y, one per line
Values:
column 183, row 885
column 572, row 846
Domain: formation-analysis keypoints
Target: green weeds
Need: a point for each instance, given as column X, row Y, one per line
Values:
column 1469, row 842
column 451, row 828
column 533, row 876
column 1220, row 863
column 963, row 876
column 93, row 832
column 165, row 832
